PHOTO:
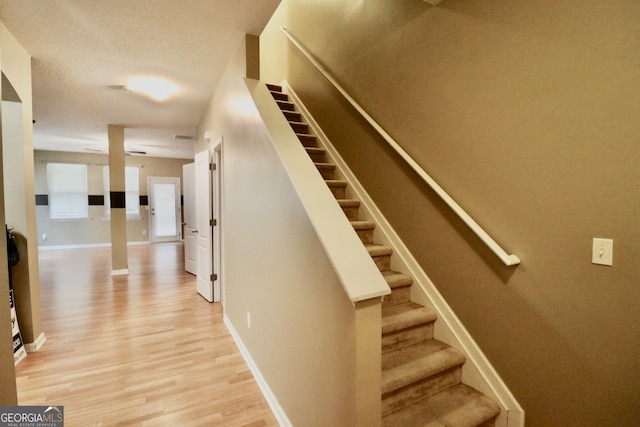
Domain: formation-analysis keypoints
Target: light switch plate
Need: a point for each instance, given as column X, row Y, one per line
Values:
column 602, row 251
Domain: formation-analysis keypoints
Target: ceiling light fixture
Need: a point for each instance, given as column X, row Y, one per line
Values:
column 156, row 88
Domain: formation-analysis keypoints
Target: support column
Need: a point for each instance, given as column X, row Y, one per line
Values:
column 119, row 262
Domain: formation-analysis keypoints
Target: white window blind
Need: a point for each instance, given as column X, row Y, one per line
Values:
column 132, row 191
column 68, row 194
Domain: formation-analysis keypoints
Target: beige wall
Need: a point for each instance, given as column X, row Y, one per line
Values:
column 302, row 323
column 527, row 114
column 96, row 230
column 12, row 59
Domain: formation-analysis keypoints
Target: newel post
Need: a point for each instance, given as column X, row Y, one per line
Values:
column 368, row 362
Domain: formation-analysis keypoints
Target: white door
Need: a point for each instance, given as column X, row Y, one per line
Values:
column 204, row 258
column 164, row 209
column 189, row 212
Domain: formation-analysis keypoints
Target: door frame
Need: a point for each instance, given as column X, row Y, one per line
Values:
column 190, row 229
column 217, row 213
column 151, row 180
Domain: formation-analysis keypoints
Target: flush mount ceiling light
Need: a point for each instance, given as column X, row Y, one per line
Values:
column 156, row 88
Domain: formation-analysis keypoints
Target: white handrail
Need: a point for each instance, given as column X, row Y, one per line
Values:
column 506, row 258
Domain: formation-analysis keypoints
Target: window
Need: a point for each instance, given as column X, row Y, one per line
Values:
column 132, row 192
column 68, row 194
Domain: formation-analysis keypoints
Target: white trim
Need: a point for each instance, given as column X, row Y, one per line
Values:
column 32, row 347
column 176, row 182
column 477, row 372
column 121, row 272
column 277, row 410
column 217, row 265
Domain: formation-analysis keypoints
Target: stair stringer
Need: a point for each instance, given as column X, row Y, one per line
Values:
column 477, row 372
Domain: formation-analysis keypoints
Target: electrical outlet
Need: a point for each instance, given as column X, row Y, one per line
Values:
column 602, row 251
column 248, row 320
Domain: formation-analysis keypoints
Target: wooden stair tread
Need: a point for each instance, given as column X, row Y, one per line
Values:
column 274, row 88
column 335, row 183
column 408, row 365
column 460, row 406
column 406, row 315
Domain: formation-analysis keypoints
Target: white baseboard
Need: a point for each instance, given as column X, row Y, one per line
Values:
column 32, row 347
column 89, row 245
column 277, row 410
column 121, row 272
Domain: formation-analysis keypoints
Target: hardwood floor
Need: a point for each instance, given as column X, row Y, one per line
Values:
column 143, row 349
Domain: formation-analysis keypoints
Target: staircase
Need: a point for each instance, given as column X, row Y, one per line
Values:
column 421, row 376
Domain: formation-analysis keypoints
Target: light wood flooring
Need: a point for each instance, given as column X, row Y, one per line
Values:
column 143, row 349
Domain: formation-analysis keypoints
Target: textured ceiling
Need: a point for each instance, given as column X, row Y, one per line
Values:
column 82, row 49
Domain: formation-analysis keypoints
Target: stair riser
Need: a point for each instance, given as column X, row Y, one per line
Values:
column 383, row 262
column 316, row 157
column 327, row 173
column 300, row 127
column 307, row 140
column 352, row 212
column 407, row 337
column 280, row 96
column 292, row 117
column 412, row 393
column 286, row 106
column 397, row 296
column 489, row 423
column 338, row 192
column 366, row 236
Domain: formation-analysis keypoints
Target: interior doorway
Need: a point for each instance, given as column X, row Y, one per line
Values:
column 164, row 209
column 208, row 166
